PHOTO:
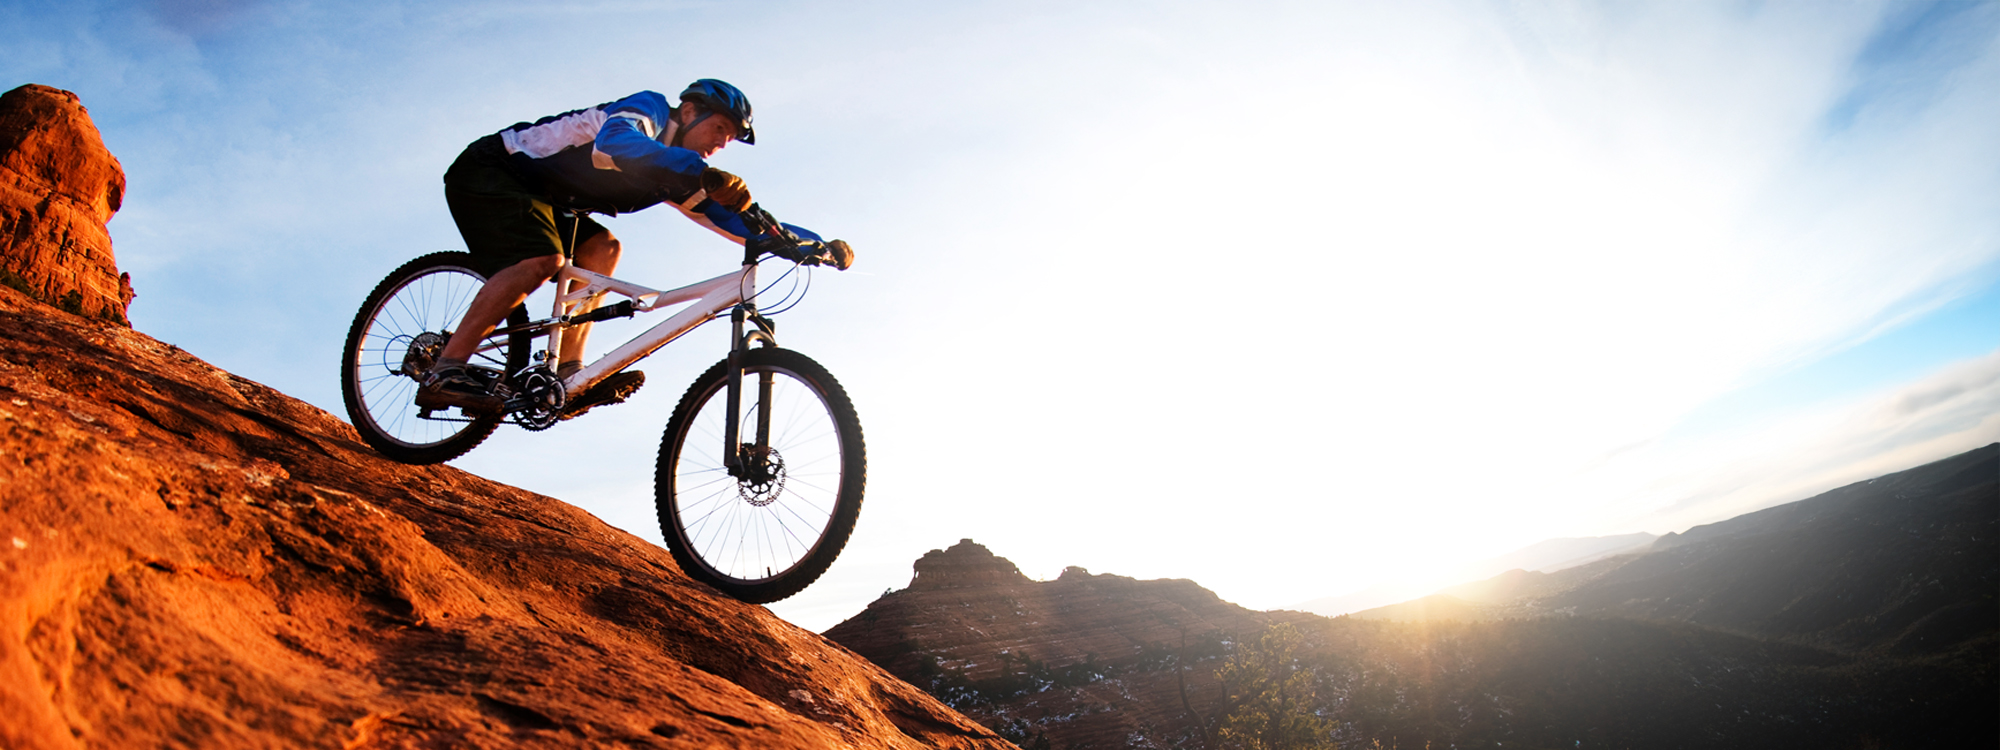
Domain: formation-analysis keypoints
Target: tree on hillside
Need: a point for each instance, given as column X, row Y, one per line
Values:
column 1271, row 702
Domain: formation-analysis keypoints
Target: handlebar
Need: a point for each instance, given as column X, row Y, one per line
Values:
column 782, row 242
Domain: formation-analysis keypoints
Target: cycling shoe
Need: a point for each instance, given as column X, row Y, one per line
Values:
column 455, row 385
column 611, row 390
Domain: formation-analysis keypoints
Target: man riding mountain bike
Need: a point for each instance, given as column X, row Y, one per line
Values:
column 517, row 197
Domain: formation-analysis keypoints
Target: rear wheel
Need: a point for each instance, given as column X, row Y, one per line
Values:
column 390, row 348
column 771, row 532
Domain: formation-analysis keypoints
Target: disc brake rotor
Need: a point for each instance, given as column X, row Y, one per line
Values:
column 766, row 480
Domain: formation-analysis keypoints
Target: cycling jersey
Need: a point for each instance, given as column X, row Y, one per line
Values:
column 613, row 158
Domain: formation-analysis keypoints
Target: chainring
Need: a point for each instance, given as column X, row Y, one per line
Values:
column 539, row 400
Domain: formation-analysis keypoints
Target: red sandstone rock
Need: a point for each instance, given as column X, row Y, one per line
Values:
column 58, row 187
column 190, row 559
column 1081, row 661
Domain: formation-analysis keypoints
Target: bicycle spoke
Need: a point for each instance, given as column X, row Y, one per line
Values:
column 764, row 540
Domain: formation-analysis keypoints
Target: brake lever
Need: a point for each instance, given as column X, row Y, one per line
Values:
column 760, row 221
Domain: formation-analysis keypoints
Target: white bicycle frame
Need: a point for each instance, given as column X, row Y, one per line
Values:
column 711, row 299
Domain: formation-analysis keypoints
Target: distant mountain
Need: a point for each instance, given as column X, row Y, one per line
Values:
column 1908, row 562
column 1368, row 598
column 1511, row 595
column 1545, row 556
column 1515, row 594
column 1558, row 554
column 1861, row 618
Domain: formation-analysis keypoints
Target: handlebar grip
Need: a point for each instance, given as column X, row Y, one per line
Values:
column 839, row 254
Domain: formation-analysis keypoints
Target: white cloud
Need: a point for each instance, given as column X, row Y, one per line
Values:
column 1951, row 411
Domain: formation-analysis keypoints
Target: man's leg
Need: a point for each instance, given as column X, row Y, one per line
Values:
column 449, row 384
column 600, row 253
column 501, row 294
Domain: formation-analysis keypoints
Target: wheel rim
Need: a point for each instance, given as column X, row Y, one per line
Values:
column 759, row 529
column 420, row 311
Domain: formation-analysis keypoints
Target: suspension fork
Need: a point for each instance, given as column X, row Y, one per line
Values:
column 747, row 461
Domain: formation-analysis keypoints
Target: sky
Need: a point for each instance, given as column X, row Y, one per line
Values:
column 1290, row 299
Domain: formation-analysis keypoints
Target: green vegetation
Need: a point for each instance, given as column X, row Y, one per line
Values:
column 70, row 302
column 14, row 280
column 1272, row 701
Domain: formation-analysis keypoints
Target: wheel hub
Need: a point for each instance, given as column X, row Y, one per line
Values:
column 763, row 476
column 422, row 354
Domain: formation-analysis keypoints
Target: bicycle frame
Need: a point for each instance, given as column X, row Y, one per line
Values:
column 711, row 298
column 573, row 306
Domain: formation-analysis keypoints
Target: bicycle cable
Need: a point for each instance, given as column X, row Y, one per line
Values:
column 792, row 296
column 801, row 284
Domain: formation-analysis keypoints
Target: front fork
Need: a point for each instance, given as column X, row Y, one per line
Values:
column 747, row 461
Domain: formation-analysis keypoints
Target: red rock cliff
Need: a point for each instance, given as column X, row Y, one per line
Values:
column 967, row 564
column 58, row 188
column 190, row 559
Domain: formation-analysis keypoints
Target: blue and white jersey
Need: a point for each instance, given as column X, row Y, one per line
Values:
column 613, row 158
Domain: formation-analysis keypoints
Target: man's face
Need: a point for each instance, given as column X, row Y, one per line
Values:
column 709, row 136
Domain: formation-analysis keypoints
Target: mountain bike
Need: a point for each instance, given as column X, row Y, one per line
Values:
column 762, row 467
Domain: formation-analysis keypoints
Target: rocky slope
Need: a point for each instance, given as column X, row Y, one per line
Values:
column 192, row 560
column 1084, row 660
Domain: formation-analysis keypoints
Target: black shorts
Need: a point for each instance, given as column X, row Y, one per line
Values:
column 503, row 219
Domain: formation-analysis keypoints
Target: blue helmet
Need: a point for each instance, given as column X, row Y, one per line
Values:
column 719, row 97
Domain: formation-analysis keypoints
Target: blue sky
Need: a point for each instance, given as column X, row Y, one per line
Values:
column 1291, row 299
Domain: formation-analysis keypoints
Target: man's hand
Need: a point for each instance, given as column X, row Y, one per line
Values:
column 760, row 245
column 726, row 189
column 839, row 254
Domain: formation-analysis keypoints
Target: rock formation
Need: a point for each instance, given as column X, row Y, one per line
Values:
column 58, row 188
column 1084, row 660
column 966, row 564
column 190, row 559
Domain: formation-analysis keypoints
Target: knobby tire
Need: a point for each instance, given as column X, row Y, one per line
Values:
column 762, row 547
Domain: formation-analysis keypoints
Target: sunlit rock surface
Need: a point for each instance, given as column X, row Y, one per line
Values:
column 58, row 187
column 190, row 559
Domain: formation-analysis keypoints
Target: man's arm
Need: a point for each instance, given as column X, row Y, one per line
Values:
column 629, row 142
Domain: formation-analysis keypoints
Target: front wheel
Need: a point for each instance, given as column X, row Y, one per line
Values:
column 774, row 529
column 396, row 336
